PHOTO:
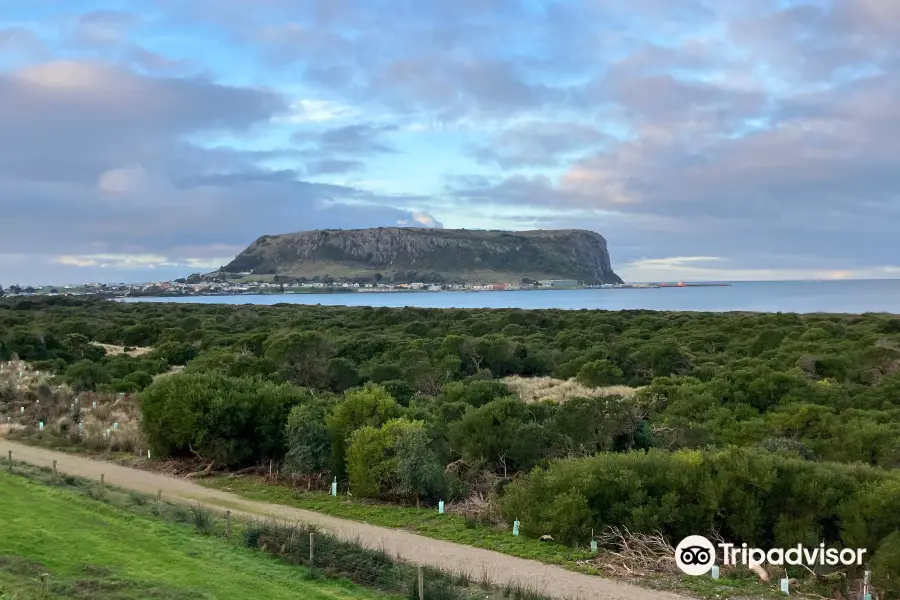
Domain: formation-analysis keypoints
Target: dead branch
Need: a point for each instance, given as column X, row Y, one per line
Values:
column 637, row 551
column 204, row 473
column 248, row 470
column 759, row 570
column 194, row 452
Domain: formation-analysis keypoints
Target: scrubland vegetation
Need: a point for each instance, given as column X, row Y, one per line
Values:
column 770, row 429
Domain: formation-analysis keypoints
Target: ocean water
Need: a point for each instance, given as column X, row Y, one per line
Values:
column 844, row 296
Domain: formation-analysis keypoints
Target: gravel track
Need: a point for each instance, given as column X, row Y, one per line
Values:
column 499, row 568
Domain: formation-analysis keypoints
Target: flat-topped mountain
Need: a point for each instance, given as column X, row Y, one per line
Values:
column 431, row 255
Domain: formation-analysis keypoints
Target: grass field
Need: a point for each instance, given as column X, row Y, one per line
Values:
column 97, row 551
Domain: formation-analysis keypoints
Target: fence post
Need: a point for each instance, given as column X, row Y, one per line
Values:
column 228, row 523
column 421, row 583
column 9, row 456
column 102, row 481
column 311, row 552
column 55, row 473
column 45, row 584
column 158, row 502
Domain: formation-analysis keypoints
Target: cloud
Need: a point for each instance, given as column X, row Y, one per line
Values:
column 106, row 153
column 102, row 27
column 360, row 138
column 326, row 166
column 72, row 120
column 684, row 269
column 21, row 41
column 765, row 134
column 419, row 219
column 338, row 150
column 539, row 143
column 315, row 111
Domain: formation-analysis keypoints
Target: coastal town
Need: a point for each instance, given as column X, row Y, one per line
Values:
column 196, row 285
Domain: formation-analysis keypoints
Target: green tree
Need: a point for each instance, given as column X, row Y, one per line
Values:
column 369, row 406
column 230, row 421
column 392, row 461
column 308, row 439
column 504, row 435
column 301, row 356
column 342, row 374
column 418, row 471
column 599, row 373
column 586, row 426
column 86, row 375
column 175, row 353
column 77, row 344
column 886, row 566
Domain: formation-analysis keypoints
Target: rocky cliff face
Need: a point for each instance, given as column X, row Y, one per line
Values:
column 563, row 254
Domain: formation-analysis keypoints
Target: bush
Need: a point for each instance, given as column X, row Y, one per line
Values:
column 393, row 461
column 369, row 406
column 599, row 373
column 504, row 435
column 886, row 566
column 229, row 420
column 308, row 439
column 745, row 494
column 302, row 357
column 175, row 353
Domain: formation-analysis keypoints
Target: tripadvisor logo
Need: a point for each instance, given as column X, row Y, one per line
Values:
column 695, row 555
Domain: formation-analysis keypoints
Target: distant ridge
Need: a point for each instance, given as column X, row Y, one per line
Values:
column 448, row 255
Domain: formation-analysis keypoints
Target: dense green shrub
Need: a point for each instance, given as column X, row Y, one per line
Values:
column 504, row 435
column 393, row 461
column 599, row 373
column 370, row 406
column 301, row 357
column 744, row 494
column 308, row 439
column 229, row 420
column 175, row 353
column 886, row 566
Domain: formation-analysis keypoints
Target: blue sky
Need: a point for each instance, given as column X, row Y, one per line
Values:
column 705, row 139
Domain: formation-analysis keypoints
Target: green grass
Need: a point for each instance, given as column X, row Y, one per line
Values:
column 424, row 521
column 95, row 550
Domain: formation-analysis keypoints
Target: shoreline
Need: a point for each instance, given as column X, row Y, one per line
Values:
column 338, row 291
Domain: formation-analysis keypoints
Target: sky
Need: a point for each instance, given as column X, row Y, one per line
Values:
column 704, row 139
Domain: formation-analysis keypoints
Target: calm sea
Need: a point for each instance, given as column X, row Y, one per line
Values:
column 857, row 296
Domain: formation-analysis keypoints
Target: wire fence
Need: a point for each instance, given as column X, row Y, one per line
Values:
column 298, row 543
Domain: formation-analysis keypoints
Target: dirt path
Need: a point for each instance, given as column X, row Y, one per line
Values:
column 499, row 568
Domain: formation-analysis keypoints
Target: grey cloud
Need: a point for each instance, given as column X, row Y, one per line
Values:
column 361, row 138
column 451, row 59
column 20, row 40
column 233, row 210
column 334, row 166
column 538, row 144
column 73, row 120
column 153, row 62
column 111, row 34
column 666, row 99
column 340, row 149
column 100, row 27
column 822, row 179
column 455, row 89
column 101, row 150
